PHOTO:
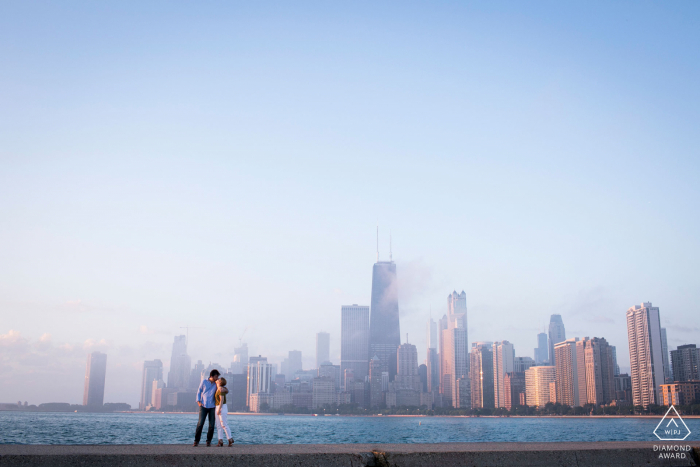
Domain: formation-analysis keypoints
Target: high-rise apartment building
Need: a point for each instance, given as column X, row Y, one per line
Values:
column 538, row 381
column 323, row 392
column 454, row 348
column 481, row 375
column 384, row 331
column 503, row 362
column 95, row 373
column 514, row 384
column 542, row 349
column 180, row 364
column 260, row 378
column 595, row 371
column 686, row 363
column 152, row 371
column 557, row 334
column 567, row 373
column 668, row 372
column 354, row 341
column 646, row 359
column 323, row 348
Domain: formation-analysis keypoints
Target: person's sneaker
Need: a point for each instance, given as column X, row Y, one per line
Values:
column 220, row 443
column 230, row 442
column 195, row 444
column 208, row 443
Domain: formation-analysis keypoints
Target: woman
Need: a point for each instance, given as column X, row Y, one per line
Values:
column 222, row 413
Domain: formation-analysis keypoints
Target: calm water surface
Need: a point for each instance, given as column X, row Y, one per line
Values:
column 81, row 428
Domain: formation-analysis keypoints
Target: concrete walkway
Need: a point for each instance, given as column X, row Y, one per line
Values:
column 360, row 455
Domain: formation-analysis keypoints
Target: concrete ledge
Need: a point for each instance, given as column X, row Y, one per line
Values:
column 353, row 455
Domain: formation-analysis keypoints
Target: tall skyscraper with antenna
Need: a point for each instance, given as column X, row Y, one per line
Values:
column 384, row 331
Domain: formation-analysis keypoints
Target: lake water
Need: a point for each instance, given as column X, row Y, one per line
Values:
column 125, row 428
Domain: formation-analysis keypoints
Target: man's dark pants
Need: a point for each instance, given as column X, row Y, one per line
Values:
column 203, row 414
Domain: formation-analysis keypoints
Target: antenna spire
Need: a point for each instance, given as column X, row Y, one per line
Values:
column 390, row 258
column 377, row 243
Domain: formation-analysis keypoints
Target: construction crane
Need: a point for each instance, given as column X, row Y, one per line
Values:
column 187, row 341
column 240, row 339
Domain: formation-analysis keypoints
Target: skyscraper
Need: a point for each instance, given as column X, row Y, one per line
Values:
column 180, row 364
column 521, row 364
column 616, row 367
column 668, row 373
column 433, row 370
column 354, row 341
column 323, row 348
column 431, row 361
column 384, row 331
column 240, row 359
column 95, row 373
column 196, row 375
column 567, row 373
column 432, row 335
column 457, row 304
column 407, row 368
column 293, row 363
column 542, row 350
column 152, row 371
column 686, row 363
column 454, row 345
column 557, row 334
column 481, row 375
column 646, row 359
column 503, row 362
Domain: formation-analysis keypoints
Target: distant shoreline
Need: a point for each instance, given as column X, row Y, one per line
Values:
column 421, row 416
column 233, row 414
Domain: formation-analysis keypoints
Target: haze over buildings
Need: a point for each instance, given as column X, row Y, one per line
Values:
column 505, row 152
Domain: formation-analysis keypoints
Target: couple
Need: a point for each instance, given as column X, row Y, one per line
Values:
column 211, row 398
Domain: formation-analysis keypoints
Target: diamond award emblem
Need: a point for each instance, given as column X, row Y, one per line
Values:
column 672, row 427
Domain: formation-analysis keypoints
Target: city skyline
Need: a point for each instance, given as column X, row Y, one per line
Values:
column 179, row 351
column 220, row 172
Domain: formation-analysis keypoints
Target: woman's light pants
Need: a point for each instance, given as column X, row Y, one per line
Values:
column 222, row 423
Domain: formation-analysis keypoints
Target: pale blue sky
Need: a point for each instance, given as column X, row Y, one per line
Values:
column 225, row 165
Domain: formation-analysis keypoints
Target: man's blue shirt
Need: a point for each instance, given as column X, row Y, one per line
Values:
column 205, row 394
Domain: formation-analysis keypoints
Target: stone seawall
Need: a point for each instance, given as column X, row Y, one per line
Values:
column 359, row 455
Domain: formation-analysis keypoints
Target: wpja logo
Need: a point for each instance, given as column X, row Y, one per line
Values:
column 672, row 427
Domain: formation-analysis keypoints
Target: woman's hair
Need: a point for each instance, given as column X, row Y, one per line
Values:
column 223, row 381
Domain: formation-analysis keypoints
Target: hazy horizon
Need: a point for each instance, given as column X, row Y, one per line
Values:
column 225, row 167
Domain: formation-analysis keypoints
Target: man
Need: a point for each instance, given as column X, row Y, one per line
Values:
column 207, row 407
